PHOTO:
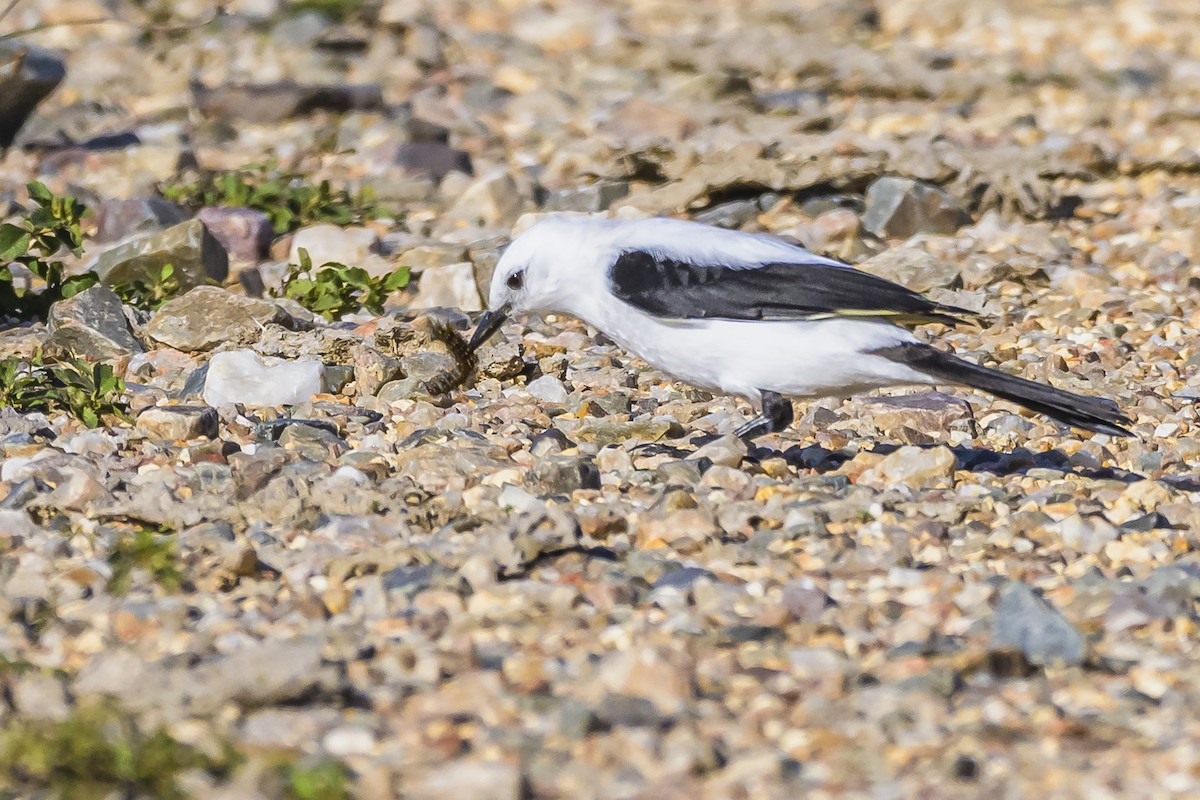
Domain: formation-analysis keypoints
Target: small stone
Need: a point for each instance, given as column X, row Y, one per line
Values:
column 28, row 74
column 178, row 423
column 548, row 389
column 565, row 474
column 92, row 324
column 194, row 252
column 643, row 673
column 898, row 208
column 208, row 316
column 500, row 359
column 243, row 376
column 914, row 269
column 329, row 243
column 604, row 432
column 434, row 159
column 591, row 198
column 479, row 780
column 312, row 444
column 452, row 286
column 928, row 412
column 373, row 369
column 728, row 451
column 491, row 200
column 40, row 696
column 1029, row 624
column 912, row 467
column 266, row 103
column 117, row 219
column 245, row 233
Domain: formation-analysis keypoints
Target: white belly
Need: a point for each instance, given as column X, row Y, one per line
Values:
column 795, row 359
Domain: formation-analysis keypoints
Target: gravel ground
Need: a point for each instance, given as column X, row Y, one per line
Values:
column 563, row 579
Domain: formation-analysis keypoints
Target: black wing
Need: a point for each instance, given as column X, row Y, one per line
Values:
column 665, row 287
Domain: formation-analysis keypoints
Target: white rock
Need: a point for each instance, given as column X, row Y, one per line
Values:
column 549, row 389
column 325, row 243
column 242, row 376
column 451, row 286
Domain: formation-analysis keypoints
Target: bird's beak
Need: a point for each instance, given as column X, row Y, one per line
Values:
column 489, row 323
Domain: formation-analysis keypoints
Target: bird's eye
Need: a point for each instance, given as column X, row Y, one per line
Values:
column 516, row 280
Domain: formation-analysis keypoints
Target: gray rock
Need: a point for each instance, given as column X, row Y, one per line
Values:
column 208, row 316
column 40, row 696
column 434, row 159
column 451, row 286
column 900, row 207
column 242, row 376
column 266, row 103
column 194, row 252
column 481, row 780
column 373, row 369
column 928, row 412
column 565, row 474
column 28, row 74
column 117, row 219
column 914, row 269
column 1025, row 622
column 402, row 389
column 548, row 389
column 312, row 444
column 91, row 324
column 591, row 198
column 178, row 423
column 491, row 200
column 245, row 233
column 251, row 472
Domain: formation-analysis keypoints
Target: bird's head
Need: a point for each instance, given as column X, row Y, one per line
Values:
column 542, row 270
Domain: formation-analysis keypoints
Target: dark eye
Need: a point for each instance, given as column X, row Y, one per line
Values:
column 516, row 280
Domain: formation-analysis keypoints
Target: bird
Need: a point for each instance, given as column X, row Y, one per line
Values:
column 750, row 315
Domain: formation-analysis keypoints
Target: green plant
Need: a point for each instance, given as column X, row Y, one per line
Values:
column 288, row 198
column 151, row 294
column 34, row 242
column 99, row 751
column 88, row 392
column 324, row 780
column 146, row 549
column 336, row 289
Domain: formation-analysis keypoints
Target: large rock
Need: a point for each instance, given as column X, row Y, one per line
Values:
column 900, row 207
column 452, row 286
column 208, row 316
column 91, row 324
column 243, row 376
column 118, row 219
column 28, row 75
column 245, row 233
column 329, row 243
column 914, row 269
column 194, row 252
column 1026, row 622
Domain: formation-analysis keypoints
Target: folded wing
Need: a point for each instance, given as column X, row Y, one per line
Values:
column 666, row 287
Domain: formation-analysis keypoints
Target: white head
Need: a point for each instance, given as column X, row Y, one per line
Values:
column 554, row 266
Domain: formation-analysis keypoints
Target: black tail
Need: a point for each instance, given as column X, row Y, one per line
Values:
column 1090, row 413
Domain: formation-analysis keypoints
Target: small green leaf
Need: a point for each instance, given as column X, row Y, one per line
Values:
column 39, row 193
column 14, row 242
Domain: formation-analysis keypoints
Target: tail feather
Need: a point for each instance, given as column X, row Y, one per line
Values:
column 1097, row 414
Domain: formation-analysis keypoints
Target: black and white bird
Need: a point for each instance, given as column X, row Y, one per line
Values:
column 749, row 315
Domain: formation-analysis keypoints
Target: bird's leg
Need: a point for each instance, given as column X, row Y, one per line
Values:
column 777, row 414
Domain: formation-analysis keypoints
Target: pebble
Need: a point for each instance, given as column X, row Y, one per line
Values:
column 91, row 324
column 177, row 423
column 451, row 286
column 1029, row 624
column 243, row 376
column 897, row 208
column 329, row 243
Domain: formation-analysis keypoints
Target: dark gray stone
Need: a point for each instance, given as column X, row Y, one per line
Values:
column 435, row 159
column 268, row 103
column 1027, row 623
column 91, row 324
column 28, row 75
column 565, row 474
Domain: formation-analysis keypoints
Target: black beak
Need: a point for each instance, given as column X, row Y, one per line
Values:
column 489, row 324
